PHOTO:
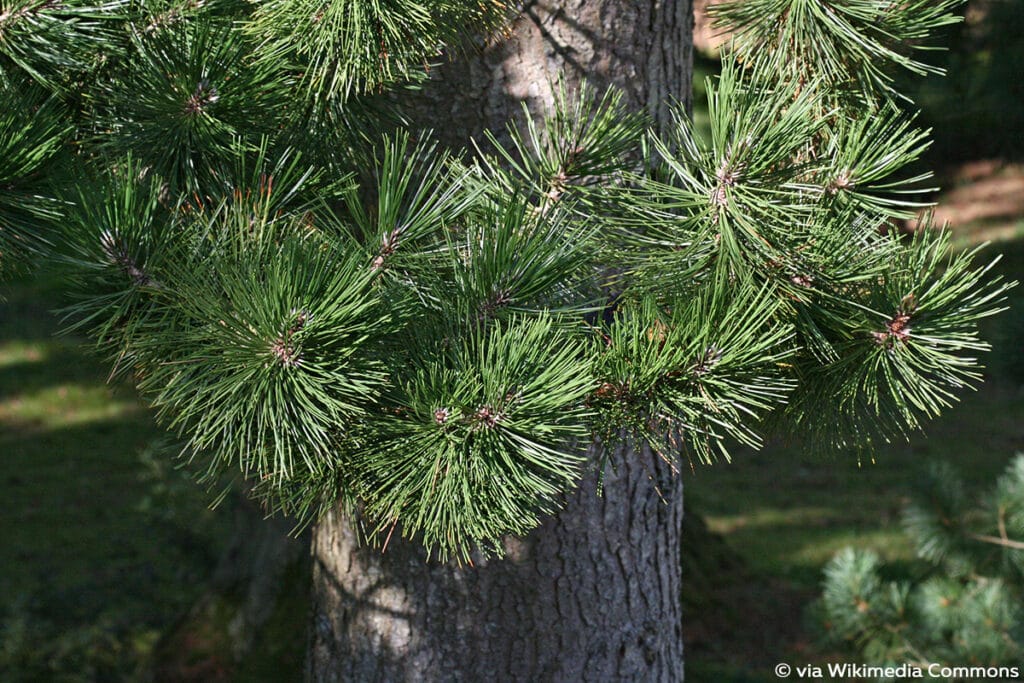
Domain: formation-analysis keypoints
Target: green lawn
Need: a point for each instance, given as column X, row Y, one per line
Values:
column 103, row 544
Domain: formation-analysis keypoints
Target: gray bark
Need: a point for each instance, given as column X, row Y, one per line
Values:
column 593, row 594
column 642, row 47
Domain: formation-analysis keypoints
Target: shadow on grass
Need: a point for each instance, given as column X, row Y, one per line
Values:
column 72, row 496
column 977, row 109
column 88, row 572
column 103, row 548
column 35, row 374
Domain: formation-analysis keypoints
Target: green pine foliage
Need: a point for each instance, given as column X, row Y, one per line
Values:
column 56, row 44
column 189, row 91
column 964, row 608
column 348, row 47
column 689, row 378
column 847, row 46
column 486, row 435
column 32, row 131
column 447, row 341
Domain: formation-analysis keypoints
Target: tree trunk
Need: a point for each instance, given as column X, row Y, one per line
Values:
column 644, row 48
column 593, row 594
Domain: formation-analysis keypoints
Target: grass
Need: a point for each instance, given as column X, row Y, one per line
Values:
column 806, row 499
column 103, row 546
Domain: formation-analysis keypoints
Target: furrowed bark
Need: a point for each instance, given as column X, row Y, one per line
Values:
column 592, row 595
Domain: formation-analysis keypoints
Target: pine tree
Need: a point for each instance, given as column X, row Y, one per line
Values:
column 965, row 609
column 444, row 344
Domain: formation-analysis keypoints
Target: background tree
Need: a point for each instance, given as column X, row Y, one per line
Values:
column 964, row 608
column 374, row 329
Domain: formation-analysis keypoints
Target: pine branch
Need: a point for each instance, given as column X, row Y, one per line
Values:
column 189, row 94
column 33, row 129
column 432, row 340
column 345, row 48
column 56, row 43
column 1000, row 540
column 848, row 47
column 965, row 608
column 483, row 438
